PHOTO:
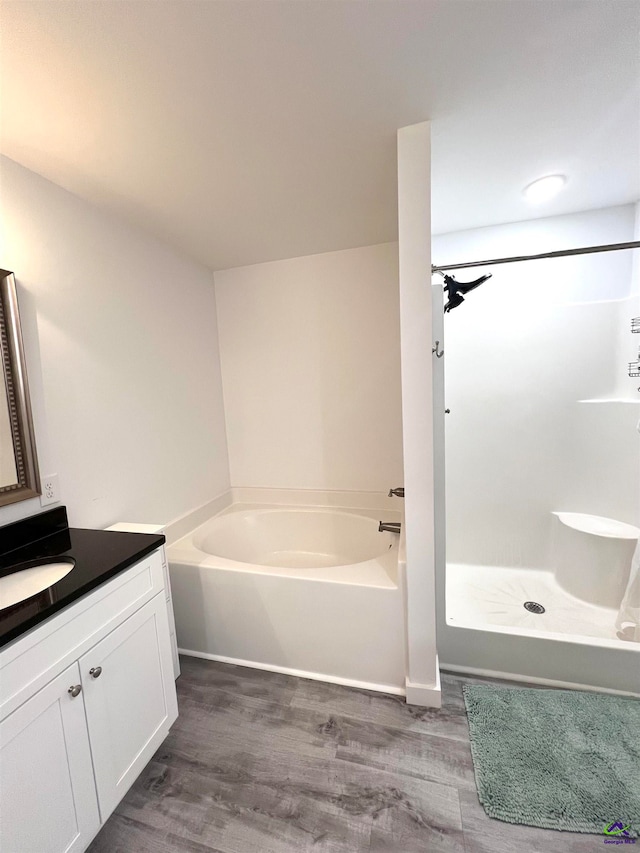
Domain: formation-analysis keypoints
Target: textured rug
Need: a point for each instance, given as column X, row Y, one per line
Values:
column 558, row 759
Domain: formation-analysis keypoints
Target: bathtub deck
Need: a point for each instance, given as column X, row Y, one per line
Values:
column 259, row 762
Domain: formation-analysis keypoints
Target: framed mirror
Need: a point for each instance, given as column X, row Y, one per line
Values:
column 19, row 478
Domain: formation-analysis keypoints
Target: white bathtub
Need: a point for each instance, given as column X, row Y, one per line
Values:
column 308, row 590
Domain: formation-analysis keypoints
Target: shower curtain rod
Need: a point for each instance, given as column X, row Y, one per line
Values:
column 586, row 250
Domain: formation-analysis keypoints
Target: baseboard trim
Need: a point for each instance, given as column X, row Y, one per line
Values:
column 427, row 695
column 531, row 679
column 298, row 673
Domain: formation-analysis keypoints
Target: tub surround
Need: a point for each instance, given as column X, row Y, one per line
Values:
column 185, row 524
column 99, row 555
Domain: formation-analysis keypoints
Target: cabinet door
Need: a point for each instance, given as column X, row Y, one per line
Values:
column 47, row 794
column 130, row 698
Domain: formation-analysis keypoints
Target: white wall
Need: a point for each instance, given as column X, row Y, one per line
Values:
column 520, row 353
column 122, row 353
column 310, row 353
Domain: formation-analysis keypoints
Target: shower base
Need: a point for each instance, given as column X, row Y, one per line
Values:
column 484, row 629
column 494, row 597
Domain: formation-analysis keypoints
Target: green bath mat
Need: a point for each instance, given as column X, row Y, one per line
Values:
column 556, row 758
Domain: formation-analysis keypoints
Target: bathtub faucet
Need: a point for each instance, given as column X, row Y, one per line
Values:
column 399, row 493
column 389, row 527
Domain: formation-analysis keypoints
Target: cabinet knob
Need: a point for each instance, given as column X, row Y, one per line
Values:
column 95, row 671
column 75, row 690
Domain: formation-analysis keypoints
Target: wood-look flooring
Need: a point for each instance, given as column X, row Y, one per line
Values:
column 259, row 762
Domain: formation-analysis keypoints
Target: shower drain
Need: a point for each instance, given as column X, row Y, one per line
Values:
column 533, row 607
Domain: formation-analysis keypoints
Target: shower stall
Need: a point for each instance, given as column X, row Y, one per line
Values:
column 513, row 558
column 541, row 460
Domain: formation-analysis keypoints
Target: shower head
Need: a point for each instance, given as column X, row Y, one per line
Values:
column 455, row 289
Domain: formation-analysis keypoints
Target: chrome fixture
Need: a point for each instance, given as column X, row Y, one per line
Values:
column 456, row 289
column 399, row 493
column 438, row 353
column 95, row 671
column 75, row 690
column 389, row 527
column 562, row 253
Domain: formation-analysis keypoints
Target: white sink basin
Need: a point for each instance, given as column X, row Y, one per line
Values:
column 26, row 582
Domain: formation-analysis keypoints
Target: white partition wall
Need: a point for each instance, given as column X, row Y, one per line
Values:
column 414, row 234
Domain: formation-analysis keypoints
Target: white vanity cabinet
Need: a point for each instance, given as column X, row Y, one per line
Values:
column 85, row 700
column 47, row 794
column 124, row 680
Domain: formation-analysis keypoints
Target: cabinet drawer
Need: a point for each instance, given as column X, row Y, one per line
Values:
column 28, row 663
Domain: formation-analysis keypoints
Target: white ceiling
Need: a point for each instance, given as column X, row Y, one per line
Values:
column 253, row 130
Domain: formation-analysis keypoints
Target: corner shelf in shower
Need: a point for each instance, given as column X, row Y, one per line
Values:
column 598, row 525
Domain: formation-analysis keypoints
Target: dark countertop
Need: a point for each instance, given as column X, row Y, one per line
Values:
column 99, row 556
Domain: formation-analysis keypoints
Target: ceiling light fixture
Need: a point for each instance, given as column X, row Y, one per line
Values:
column 544, row 188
